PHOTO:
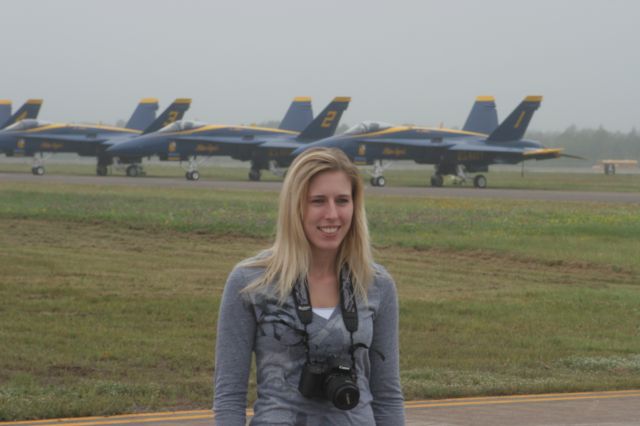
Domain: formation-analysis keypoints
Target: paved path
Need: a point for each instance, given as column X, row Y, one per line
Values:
column 454, row 192
column 617, row 408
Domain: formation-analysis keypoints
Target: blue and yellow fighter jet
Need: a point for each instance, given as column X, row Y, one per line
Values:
column 30, row 109
column 265, row 148
column 27, row 138
column 453, row 152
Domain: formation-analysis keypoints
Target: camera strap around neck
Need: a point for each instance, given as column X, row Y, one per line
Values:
column 348, row 306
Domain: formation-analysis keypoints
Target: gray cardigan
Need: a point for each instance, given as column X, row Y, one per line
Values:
column 257, row 323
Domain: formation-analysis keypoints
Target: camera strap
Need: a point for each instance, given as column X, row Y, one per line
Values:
column 348, row 307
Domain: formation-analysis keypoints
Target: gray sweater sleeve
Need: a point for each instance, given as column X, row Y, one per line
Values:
column 234, row 345
column 387, row 404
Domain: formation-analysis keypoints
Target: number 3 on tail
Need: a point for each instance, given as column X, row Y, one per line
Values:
column 331, row 115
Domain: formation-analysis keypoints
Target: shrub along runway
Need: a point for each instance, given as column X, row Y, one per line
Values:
column 620, row 408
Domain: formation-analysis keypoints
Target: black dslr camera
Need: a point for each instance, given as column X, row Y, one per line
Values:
column 333, row 380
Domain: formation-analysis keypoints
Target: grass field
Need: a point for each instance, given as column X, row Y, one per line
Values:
column 400, row 174
column 109, row 295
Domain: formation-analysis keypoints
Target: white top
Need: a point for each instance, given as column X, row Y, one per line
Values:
column 323, row 312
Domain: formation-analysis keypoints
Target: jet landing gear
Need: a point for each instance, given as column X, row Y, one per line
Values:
column 459, row 174
column 102, row 170
column 437, row 181
column 377, row 179
column 192, row 172
column 480, row 181
column 135, row 170
column 192, row 175
column 37, row 167
column 254, row 174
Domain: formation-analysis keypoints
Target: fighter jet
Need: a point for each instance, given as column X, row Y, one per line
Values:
column 453, row 152
column 265, row 148
column 29, row 137
column 29, row 109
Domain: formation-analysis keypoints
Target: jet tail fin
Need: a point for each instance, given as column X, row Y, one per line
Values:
column 174, row 112
column 298, row 116
column 483, row 117
column 5, row 111
column 515, row 125
column 326, row 123
column 143, row 115
column 29, row 109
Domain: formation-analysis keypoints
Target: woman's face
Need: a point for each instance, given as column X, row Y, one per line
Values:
column 328, row 211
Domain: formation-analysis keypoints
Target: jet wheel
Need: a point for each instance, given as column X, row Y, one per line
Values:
column 437, row 181
column 254, row 175
column 37, row 170
column 194, row 175
column 380, row 181
column 480, row 181
column 132, row 171
column 101, row 170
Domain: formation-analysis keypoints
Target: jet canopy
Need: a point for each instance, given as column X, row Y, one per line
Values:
column 368, row 127
column 182, row 125
column 26, row 124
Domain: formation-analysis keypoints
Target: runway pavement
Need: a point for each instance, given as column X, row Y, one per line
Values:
column 454, row 192
column 616, row 408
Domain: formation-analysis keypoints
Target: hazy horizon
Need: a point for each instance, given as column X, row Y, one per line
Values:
column 420, row 62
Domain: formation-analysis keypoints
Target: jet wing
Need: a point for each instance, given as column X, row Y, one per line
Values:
column 421, row 143
column 537, row 154
column 64, row 138
column 486, row 148
column 280, row 145
column 236, row 141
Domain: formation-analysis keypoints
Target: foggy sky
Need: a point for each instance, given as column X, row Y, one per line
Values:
column 420, row 62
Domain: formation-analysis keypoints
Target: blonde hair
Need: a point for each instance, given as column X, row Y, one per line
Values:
column 289, row 257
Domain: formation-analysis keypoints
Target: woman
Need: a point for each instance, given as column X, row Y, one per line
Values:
column 320, row 316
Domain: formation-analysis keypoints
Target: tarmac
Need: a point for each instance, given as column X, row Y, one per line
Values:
column 614, row 408
column 453, row 192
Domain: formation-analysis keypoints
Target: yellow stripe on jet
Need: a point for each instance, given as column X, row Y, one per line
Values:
column 398, row 129
column 182, row 101
column 543, row 151
column 222, row 126
column 522, row 114
column 485, row 99
column 533, row 99
column 85, row 126
column 149, row 101
column 5, row 102
column 34, row 101
column 342, row 99
column 302, row 99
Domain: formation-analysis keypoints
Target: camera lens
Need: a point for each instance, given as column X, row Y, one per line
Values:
column 342, row 391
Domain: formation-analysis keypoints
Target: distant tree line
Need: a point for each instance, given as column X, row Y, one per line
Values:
column 592, row 144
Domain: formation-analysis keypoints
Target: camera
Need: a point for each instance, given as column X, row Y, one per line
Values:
column 333, row 380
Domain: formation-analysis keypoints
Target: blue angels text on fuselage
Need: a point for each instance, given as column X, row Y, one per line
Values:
column 29, row 137
column 453, row 152
column 265, row 148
